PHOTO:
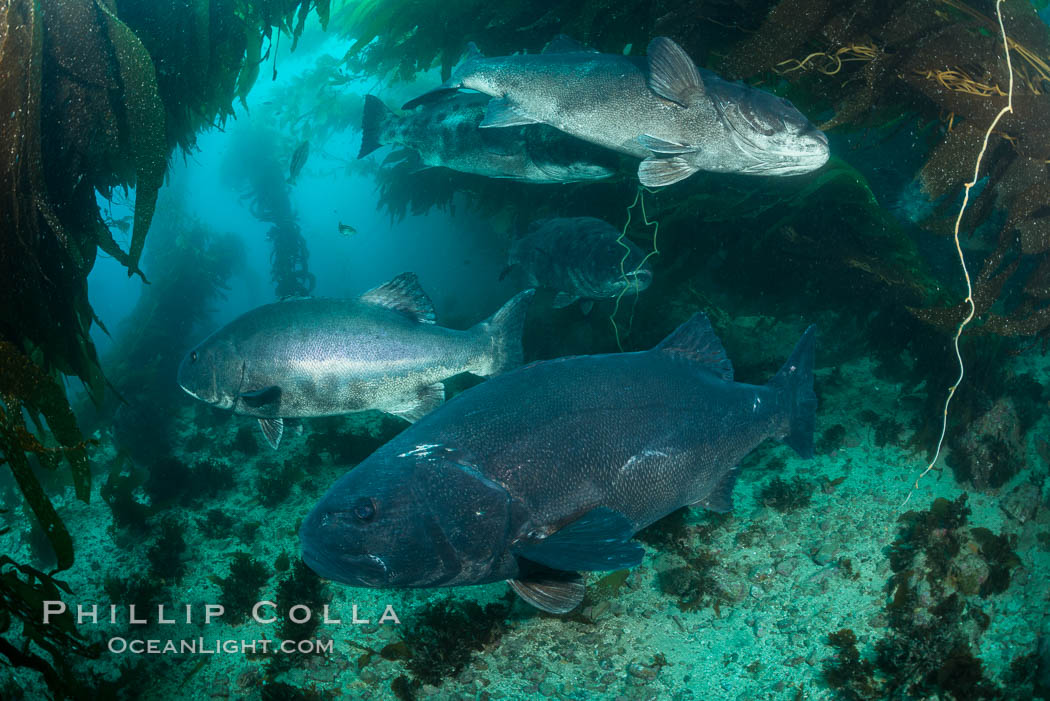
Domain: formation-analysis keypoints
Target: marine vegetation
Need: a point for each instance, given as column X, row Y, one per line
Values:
column 446, row 634
column 252, row 165
column 239, row 590
column 189, row 268
column 942, row 571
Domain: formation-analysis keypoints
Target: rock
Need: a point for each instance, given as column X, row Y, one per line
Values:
column 727, row 584
column 969, row 570
column 1022, row 502
column 642, row 671
column 825, row 553
column 787, row 567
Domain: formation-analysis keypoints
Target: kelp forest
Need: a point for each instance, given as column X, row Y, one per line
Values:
column 100, row 98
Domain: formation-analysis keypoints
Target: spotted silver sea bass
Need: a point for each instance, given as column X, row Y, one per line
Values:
column 321, row 357
column 582, row 258
column 666, row 111
column 551, row 469
column 444, row 132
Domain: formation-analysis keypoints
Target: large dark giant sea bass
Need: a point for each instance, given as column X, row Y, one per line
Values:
column 550, row 469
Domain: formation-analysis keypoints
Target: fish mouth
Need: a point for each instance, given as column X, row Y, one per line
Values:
column 355, row 570
column 324, row 546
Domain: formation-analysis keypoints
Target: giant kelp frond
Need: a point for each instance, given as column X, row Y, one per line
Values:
column 23, row 591
column 252, row 165
column 26, row 390
column 941, row 60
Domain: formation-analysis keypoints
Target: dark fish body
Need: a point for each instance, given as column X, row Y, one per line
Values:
column 321, row 357
column 445, row 133
column 299, row 156
column 580, row 258
column 664, row 112
column 551, row 469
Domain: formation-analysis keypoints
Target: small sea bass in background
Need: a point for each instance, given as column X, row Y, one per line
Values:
column 322, row 357
column 445, row 134
column 346, row 229
column 302, row 152
column 581, row 258
column 551, row 469
column 663, row 111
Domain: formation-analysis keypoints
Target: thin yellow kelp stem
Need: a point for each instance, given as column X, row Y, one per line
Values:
column 1009, row 107
column 638, row 198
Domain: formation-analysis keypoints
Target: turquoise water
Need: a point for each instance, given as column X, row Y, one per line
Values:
column 840, row 574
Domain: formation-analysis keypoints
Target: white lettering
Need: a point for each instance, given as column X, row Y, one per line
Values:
column 213, row 611
column 291, row 613
column 53, row 608
column 389, row 615
column 355, row 620
column 256, row 614
column 335, row 621
column 82, row 613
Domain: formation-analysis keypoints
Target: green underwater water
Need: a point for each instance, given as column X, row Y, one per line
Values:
column 820, row 583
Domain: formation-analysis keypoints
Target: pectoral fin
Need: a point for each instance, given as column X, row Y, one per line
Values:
column 430, row 397
column 598, row 540
column 586, row 306
column 660, row 172
column 501, row 112
column 272, row 430
column 657, row 145
column 262, row 397
column 563, row 299
column 550, row 591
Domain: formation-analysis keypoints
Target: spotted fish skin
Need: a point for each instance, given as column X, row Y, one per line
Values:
column 445, row 133
column 581, row 258
column 322, row 357
column 676, row 117
column 552, row 468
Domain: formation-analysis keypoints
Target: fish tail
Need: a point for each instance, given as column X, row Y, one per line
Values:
column 504, row 330
column 794, row 383
column 373, row 120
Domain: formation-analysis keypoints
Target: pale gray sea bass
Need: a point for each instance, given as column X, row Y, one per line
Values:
column 552, row 468
column 321, row 357
column 582, row 258
column 445, row 133
column 667, row 112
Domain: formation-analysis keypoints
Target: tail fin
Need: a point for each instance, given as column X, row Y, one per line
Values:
column 504, row 329
column 374, row 118
column 794, row 383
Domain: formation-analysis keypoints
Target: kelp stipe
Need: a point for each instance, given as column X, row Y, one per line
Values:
column 1007, row 108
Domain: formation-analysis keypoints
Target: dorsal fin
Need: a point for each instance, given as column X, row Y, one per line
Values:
column 564, row 44
column 672, row 74
column 403, row 294
column 697, row 341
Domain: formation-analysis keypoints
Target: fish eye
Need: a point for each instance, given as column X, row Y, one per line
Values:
column 193, row 356
column 365, row 509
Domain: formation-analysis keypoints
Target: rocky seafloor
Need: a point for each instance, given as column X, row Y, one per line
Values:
column 817, row 585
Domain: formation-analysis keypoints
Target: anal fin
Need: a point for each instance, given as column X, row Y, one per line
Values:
column 272, row 429
column 551, row 591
